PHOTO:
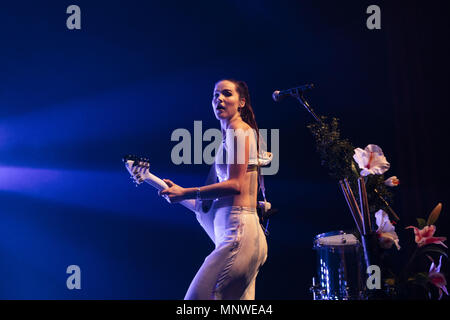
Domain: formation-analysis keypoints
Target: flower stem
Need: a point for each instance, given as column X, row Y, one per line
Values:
column 407, row 266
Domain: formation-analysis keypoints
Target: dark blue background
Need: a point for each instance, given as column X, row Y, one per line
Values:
column 73, row 102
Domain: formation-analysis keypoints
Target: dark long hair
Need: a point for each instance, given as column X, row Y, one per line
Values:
column 247, row 113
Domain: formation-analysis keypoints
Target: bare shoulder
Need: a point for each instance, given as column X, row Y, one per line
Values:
column 240, row 126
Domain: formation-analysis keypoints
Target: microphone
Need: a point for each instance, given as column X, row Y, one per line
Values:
column 278, row 95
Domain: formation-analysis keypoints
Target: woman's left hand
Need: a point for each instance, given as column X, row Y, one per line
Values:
column 174, row 193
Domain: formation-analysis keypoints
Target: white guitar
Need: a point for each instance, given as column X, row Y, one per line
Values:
column 138, row 167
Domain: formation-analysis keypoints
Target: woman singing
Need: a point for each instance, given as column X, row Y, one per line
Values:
column 230, row 271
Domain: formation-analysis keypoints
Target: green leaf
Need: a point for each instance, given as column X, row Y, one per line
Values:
column 421, row 279
column 429, row 249
column 434, row 215
column 421, row 223
column 355, row 171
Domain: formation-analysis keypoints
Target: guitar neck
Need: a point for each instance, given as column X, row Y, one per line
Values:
column 159, row 184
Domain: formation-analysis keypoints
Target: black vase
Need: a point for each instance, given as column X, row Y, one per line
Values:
column 371, row 249
column 372, row 257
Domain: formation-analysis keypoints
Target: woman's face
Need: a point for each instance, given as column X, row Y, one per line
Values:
column 226, row 100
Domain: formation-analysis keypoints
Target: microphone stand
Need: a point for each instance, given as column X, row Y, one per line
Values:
column 297, row 93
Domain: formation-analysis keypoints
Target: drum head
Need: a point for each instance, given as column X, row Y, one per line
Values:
column 335, row 239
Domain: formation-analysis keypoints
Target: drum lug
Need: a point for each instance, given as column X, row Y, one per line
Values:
column 317, row 291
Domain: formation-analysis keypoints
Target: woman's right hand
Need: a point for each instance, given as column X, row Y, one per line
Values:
column 174, row 193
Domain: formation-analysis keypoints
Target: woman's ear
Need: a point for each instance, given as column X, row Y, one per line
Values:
column 242, row 103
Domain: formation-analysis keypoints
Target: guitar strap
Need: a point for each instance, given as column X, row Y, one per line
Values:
column 211, row 179
column 263, row 191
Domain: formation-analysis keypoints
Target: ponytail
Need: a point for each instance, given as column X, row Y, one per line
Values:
column 247, row 113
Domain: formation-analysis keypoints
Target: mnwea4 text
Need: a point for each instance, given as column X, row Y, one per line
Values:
column 245, row 309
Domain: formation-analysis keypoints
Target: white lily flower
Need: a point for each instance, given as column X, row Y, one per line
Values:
column 386, row 231
column 371, row 160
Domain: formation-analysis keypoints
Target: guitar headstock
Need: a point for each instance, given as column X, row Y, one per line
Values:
column 134, row 165
column 137, row 161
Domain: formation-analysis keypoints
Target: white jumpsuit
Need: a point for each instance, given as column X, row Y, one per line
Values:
column 230, row 271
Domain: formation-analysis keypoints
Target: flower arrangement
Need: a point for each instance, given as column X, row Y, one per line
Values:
column 361, row 176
